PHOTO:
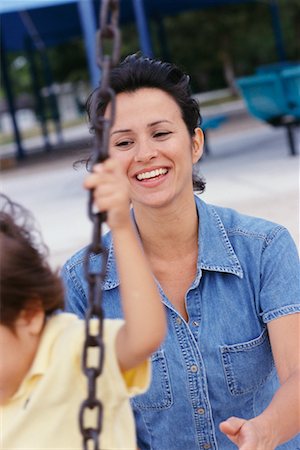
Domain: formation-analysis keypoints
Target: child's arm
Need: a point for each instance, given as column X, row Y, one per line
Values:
column 145, row 323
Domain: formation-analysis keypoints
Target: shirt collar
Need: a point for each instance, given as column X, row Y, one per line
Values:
column 215, row 250
column 112, row 279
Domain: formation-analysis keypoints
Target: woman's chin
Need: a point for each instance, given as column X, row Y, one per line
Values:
column 153, row 200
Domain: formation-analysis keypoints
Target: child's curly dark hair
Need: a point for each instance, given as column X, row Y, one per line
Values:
column 26, row 279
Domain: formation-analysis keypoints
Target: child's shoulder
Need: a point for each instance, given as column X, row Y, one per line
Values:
column 65, row 332
column 60, row 326
column 65, row 324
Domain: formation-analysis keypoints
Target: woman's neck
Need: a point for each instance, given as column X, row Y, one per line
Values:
column 169, row 231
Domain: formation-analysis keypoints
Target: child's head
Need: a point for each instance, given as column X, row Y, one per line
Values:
column 27, row 281
column 29, row 291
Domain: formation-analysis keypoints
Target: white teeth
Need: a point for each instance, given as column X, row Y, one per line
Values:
column 151, row 174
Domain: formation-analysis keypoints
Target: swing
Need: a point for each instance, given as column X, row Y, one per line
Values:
column 109, row 15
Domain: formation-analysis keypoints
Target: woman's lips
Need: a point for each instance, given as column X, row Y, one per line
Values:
column 152, row 176
column 151, row 173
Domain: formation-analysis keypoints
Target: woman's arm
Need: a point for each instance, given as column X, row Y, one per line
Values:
column 280, row 421
column 145, row 322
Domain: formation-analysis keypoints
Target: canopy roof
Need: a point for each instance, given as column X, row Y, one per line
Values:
column 50, row 22
column 58, row 20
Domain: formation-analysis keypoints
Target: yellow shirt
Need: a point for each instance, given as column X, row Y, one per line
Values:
column 43, row 413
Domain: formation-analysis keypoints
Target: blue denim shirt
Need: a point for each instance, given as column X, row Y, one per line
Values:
column 220, row 363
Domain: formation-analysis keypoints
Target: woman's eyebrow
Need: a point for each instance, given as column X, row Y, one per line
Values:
column 120, row 131
column 157, row 122
column 126, row 130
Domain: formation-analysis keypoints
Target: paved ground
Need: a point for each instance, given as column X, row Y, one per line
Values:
column 249, row 168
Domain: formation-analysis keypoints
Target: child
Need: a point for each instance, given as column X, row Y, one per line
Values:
column 41, row 383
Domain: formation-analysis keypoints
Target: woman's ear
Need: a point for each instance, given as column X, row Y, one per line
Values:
column 198, row 143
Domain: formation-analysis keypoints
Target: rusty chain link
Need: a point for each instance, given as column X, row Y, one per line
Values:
column 109, row 16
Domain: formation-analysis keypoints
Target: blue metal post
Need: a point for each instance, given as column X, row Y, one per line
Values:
column 88, row 23
column 144, row 35
column 20, row 154
column 42, row 52
column 39, row 100
column 274, row 7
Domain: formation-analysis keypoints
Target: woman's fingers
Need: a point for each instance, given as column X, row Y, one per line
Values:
column 232, row 425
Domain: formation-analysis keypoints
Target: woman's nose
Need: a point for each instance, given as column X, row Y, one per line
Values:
column 145, row 152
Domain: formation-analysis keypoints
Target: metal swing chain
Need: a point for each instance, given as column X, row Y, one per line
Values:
column 109, row 16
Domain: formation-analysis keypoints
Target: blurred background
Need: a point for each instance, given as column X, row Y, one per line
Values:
column 243, row 59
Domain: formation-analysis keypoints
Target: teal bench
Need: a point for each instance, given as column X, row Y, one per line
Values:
column 275, row 99
column 210, row 123
column 290, row 79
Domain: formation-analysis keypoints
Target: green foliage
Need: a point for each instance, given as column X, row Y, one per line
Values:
column 68, row 61
column 236, row 38
column 18, row 72
column 213, row 45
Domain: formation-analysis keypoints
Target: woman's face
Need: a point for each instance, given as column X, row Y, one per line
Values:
column 152, row 141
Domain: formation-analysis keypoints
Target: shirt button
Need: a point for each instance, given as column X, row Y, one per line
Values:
column 206, row 446
column 178, row 320
column 194, row 368
column 200, row 410
column 195, row 323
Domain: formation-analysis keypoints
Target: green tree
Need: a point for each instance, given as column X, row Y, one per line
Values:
column 214, row 45
column 217, row 44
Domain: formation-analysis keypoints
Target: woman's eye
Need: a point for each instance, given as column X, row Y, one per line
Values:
column 123, row 143
column 159, row 134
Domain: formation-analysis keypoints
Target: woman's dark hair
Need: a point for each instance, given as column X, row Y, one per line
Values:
column 26, row 279
column 136, row 72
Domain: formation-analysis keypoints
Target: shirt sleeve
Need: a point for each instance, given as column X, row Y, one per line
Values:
column 75, row 298
column 132, row 382
column 280, row 280
column 137, row 380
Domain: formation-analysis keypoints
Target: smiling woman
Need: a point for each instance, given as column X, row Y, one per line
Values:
column 161, row 83
column 156, row 150
column 227, row 374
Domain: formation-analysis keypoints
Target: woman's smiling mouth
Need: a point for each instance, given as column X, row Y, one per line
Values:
column 151, row 174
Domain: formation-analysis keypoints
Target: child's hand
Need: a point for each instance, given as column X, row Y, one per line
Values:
column 111, row 192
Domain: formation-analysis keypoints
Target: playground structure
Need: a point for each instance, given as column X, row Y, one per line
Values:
column 40, row 24
column 274, row 97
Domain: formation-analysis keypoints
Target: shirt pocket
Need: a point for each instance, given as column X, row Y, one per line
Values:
column 247, row 365
column 159, row 395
